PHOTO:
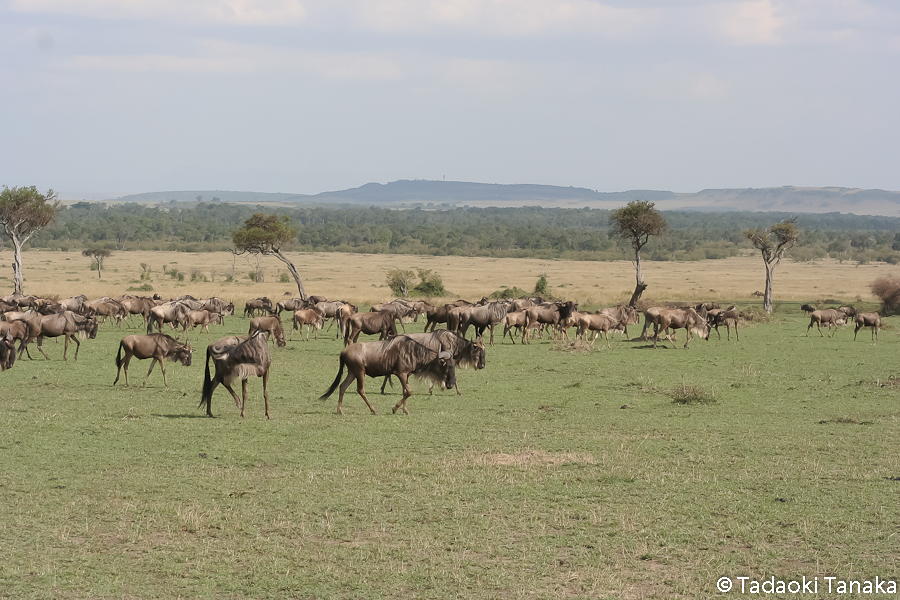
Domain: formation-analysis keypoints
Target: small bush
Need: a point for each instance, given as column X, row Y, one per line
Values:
column 691, row 394
column 542, row 288
column 146, row 287
column 284, row 278
column 509, row 294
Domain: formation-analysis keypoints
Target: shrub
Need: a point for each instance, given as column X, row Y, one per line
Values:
column 887, row 289
column 431, row 284
column 542, row 288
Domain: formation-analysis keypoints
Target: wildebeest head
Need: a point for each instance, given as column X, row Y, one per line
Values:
column 182, row 353
column 447, row 369
column 7, row 351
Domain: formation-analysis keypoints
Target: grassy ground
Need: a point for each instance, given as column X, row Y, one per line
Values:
column 559, row 473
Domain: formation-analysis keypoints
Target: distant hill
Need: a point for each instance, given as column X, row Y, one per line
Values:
column 408, row 193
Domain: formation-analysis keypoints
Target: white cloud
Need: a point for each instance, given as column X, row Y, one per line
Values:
column 748, row 23
column 236, row 12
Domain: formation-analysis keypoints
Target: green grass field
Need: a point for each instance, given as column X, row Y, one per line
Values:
column 559, row 473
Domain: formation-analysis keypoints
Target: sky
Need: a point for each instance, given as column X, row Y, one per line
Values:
column 102, row 98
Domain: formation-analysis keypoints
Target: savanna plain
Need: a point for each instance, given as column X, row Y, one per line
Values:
column 560, row 472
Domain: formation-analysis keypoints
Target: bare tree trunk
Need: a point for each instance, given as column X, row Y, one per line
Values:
column 638, row 290
column 639, row 276
column 17, row 268
column 770, row 276
column 294, row 273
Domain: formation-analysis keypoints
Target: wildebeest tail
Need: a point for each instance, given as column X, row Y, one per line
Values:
column 150, row 325
column 206, row 396
column 337, row 380
column 119, row 356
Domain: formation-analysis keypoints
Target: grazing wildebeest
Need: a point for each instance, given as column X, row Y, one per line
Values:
column 598, row 323
column 872, row 320
column 308, row 317
column 830, row 317
column 271, row 325
column 291, row 304
column 237, row 358
column 677, row 318
column 172, row 312
column 369, row 323
column 66, row 324
column 158, row 346
column 808, row 308
column 464, row 352
column 728, row 317
column 252, row 307
column 7, row 351
column 400, row 356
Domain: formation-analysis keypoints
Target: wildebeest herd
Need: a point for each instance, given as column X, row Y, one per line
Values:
column 432, row 355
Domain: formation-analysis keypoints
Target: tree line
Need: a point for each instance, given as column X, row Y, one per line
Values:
column 576, row 234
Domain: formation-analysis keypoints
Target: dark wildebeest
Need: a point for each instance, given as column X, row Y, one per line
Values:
column 465, row 353
column 401, row 312
column 237, row 358
column 308, row 317
column 66, row 324
column 7, row 351
column 808, row 308
column 400, row 356
column 437, row 314
column 728, row 317
column 252, row 307
column 872, row 320
column 271, row 325
column 369, row 323
column 547, row 314
column 158, row 346
column 677, row 318
column 830, row 317
column 139, row 306
column 24, row 330
column 172, row 312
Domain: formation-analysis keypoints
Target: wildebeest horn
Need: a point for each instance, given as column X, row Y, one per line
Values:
column 444, row 355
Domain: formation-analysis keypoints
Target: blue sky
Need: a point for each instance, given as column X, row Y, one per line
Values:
column 100, row 98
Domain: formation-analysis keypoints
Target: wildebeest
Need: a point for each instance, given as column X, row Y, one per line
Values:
column 203, row 318
column 625, row 314
column 401, row 312
column 158, row 346
column 872, row 320
column 437, row 314
column 464, row 352
column 728, row 317
column 271, row 325
column 24, row 330
column 808, row 308
column 7, row 351
column 172, row 312
column 291, row 304
column 830, row 317
column 237, row 358
column 69, row 325
column 485, row 316
column 309, row 318
column 850, row 311
column 105, row 307
column 677, row 318
column 549, row 314
column 139, row 306
column 400, row 356
column 370, row 323
column 254, row 306
column 598, row 323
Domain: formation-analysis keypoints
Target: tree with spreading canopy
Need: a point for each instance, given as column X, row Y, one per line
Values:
column 97, row 255
column 773, row 243
column 266, row 235
column 636, row 222
column 23, row 211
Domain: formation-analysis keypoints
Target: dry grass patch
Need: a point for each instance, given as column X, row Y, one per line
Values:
column 528, row 457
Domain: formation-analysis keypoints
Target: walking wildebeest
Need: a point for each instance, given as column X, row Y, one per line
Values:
column 727, row 317
column 401, row 312
column 369, row 323
column 598, row 323
column 308, row 317
column 237, row 358
column 7, row 351
column 552, row 315
column 24, row 330
column 66, row 324
column 831, row 317
column 485, row 316
column 202, row 318
column 400, row 356
column 465, row 353
column 158, row 346
column 677, row 318
column 872, row 320
column 252, row 307
column 172, row 312
column 271, row 325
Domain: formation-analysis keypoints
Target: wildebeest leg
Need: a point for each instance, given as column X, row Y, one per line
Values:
column 150, row 370
column 387, row 380
column 237, row 401
column 607, row 339
column 125, row 363
column 40, row 346
column 74, row 337
column 407, row 392
column 244, row 400
column 265, row 379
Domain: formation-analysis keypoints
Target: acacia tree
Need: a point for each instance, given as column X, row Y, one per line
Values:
column 401, row 281
column 265, row 235
column 23, row 211
column 97, row 255
column 636, row 222
column 773, row 243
